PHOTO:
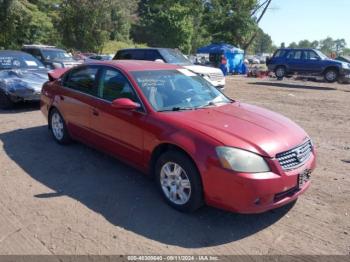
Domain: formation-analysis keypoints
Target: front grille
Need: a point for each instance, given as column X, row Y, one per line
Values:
column 295, row 157
column 216, row 76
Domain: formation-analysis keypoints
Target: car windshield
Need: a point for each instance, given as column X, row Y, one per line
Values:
column 322, row 55
column 18, row 61
column 174, row 90
column 172, row 56
column 56, row 54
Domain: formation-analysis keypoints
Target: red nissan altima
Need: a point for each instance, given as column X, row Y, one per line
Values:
column 201, row 146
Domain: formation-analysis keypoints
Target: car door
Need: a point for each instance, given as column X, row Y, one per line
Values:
column 76, row 100
column 311, row 62
column 294, row 61
column 118, row 131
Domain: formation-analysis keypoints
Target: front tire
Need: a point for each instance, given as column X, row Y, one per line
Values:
column 331, row 75
column 58, row 128
column 5, row 101
column 179, row 181
column 280, row 72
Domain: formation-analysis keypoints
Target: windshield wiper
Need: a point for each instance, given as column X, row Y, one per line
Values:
column 176, row 108
column 212, row 103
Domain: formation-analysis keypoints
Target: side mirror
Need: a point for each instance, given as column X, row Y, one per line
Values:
column 125, row 103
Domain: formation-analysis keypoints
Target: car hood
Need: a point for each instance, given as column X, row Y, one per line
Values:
column 198, row 69
column 244, row 126
column 19, row 78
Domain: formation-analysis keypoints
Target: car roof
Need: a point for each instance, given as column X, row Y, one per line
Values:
column 42, row 48
column 288, row 49
column 14, row 53
column 145, row 48
column 136, row 65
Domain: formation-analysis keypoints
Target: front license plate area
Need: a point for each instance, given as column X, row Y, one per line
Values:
column 303, row 178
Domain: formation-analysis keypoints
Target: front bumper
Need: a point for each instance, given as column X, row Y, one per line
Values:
column 254, row 192
column 24, row 95
column 345, row 74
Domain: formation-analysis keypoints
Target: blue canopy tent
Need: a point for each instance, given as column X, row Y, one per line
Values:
column 233, row 55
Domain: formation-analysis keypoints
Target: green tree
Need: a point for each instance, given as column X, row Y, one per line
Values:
column 293, row 45
column 84, row 24
column 315, row 44
column 231, row 21
column 339, row 45
column 165, row 23
column 262, row 43
column 121, row 15
column 22, row 22
column 304, row 44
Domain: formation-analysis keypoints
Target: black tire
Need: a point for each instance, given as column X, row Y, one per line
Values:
column 195, row 200
column 65, row 137
column 331, row 75
column 280, row 72
column 5, row 101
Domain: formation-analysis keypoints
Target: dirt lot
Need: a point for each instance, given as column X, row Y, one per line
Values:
column 75, row 200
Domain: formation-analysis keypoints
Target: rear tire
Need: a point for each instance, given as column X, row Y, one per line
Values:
column 331, row 75
column 58, row 128
column 5, row 101
column 280, row 72
column 178, row 181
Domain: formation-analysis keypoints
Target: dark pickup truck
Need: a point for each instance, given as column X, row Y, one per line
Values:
column 307, row 62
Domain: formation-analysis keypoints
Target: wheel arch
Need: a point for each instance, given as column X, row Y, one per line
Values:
column 164, row 147
column 330, row 68
column 49, row 115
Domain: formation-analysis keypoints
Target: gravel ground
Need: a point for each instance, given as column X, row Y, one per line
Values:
column 74, row 200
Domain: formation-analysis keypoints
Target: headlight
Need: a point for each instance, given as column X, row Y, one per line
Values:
column 241, row 160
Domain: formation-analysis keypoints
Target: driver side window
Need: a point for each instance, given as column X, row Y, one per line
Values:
column 113, row 85
column 311, row 55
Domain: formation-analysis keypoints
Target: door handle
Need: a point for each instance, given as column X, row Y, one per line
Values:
column 61, row 98
column 95, row 112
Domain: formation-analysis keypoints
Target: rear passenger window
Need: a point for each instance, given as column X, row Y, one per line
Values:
column 83, row 79
column 279, row 53
column 295, row 54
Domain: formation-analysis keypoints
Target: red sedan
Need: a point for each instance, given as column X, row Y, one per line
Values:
column 201, row 146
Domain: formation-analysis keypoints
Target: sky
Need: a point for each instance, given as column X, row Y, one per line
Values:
column 294, row 20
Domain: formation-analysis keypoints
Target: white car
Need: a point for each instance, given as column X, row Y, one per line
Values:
column 173, row 56
column 211, row 74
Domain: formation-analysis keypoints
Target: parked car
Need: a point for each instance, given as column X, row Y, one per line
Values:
column 51, row 56
column 21, row 78
column 343, row 58
column 201, row 146
column 98, row 57
column 308, row 62
column 172, row 56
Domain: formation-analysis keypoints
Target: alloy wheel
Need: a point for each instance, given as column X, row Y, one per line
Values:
column 57, row 126
column 175, row 183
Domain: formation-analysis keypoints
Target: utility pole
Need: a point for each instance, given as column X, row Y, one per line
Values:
column 266, row 4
